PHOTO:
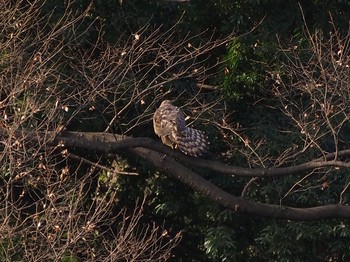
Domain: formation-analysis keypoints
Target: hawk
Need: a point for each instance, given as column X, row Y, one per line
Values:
column 169, row 124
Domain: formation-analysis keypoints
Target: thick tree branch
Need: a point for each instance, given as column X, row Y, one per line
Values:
column 162, row 158
column 113, row 143
column 171, row 167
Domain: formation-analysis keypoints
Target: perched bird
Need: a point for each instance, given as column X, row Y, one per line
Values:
column 169, row 124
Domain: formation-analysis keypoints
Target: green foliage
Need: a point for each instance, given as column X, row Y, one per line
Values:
column 220, row 243
column 305, row 241
column 69, row 258
column 244, row 71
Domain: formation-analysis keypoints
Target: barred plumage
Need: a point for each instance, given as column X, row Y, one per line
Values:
column 169, row 124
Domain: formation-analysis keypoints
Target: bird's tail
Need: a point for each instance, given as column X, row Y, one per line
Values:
column 192, row 142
